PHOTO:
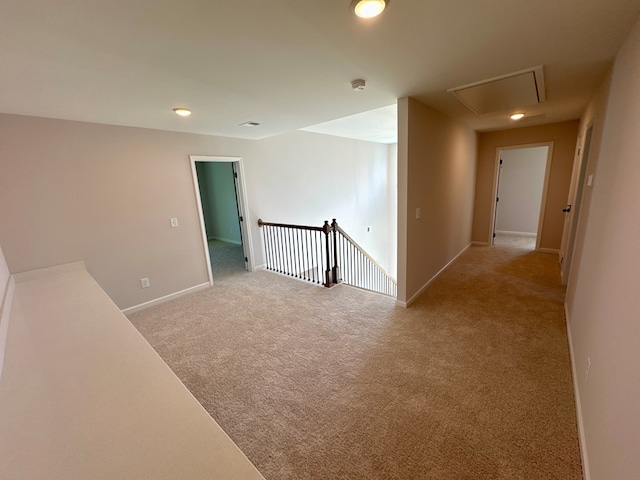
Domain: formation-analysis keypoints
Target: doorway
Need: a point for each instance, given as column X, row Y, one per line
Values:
column 221, row 201
column 521, row 180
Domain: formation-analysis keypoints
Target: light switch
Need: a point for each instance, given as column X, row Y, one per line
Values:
column 174, row 222
column 589, row 180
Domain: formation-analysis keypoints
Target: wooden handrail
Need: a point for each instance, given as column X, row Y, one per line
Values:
column 289, row 225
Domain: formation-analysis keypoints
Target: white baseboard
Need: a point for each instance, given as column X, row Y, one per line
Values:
column 260, row 267
column 226, row 240
column 480, row 244
column 550, row 250
column 576, row 393
column 431, row 280
column 521, row 234
column 166, row 298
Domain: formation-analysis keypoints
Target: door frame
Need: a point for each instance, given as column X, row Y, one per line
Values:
column 545, row 187
column 574, row 198
column 243, row 207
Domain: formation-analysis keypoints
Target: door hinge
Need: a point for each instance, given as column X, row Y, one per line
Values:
column 240, row 218
column 500, row 161
column 494, row 234
column 497, row 199
column 246, row 259
column 235, row 174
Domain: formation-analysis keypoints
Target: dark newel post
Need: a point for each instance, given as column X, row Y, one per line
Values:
column 326, row 228
column 336, row 268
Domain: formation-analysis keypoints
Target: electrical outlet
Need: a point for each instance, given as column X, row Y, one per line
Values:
column 174, row 222
column 144, row 282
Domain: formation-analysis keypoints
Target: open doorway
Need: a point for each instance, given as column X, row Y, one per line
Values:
column 522, row 176
column 221, row 200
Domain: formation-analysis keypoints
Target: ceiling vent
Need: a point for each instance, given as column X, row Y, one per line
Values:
column 507, row 92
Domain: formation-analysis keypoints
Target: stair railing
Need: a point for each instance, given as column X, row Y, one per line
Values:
column 324, row 255
column 300, row 251
column 358, row 268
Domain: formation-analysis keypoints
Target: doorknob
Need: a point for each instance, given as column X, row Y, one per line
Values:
column 567, row 210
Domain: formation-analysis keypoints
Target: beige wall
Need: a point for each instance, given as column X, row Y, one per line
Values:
column 603, row 303
column 73, row 191
column 563, row 135
column 436, row 173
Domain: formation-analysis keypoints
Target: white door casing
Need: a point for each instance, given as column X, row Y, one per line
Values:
column 543, row 203
column 574, row 202
column 243, row 210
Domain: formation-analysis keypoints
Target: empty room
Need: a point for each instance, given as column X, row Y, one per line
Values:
column 347, row 239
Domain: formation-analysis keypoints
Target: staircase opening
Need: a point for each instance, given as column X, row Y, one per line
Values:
column 325, row 255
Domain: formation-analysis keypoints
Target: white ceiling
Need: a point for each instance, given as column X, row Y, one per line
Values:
column 288, row 64
column 379, row 125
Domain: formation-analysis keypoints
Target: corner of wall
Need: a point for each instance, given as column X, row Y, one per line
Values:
column 403, row 173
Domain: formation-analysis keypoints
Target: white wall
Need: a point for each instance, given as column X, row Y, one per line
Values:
column 72, row 191
column 603, row 301
column 306, row 178
column 520, row 191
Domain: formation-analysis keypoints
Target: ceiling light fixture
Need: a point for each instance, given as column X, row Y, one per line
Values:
column 517, row 116
column 368, row 8
column 183, row 112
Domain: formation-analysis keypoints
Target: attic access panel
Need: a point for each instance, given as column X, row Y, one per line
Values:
column 507, row 92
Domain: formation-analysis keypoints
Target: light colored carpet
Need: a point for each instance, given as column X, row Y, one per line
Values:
column 473, row 381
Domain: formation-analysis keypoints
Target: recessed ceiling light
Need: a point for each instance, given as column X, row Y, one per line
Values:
column 368, row 8
column 517, row 116
column 183, row 112
column 249, row 124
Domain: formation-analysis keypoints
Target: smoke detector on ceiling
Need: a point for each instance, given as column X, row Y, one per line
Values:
column 358, row 85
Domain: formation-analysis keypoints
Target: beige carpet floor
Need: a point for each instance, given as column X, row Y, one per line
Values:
column 473, row 381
